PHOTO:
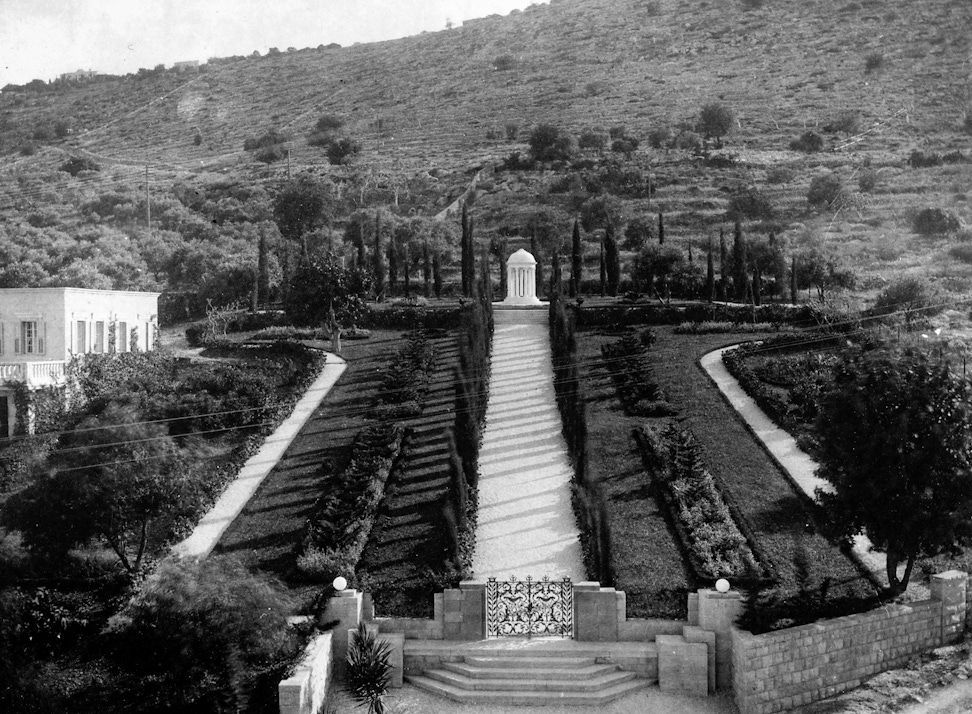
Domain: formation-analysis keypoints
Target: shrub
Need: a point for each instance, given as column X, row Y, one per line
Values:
column 846, row 122
column 688, row 141
column 627, row 146
column 913, row 298
column 967, row 121
column 868, row 180
column 919, row 159
column 270, row 154
column 270, row 138
column 197, row 140
column 750, row 203
column 368, row 672
column 517, row 162
column 809, row 142
column 780, row 174
column 512, row 130
column 873, row 62
column 549, row 143
column 218, row 634
column 341, row 151
column 329, row 122
column 504, row 62
column 591, row 139
column 824, row 190
column 935, row 221
column 961, row 252
column 76, row 165
column 660, row 137
column 716, row 120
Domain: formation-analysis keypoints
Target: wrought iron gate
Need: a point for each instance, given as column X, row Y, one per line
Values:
column 525, row 608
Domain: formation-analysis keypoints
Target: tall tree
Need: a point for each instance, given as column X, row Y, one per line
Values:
column 793, row 280
column 740, row 263
column 612, row 261
column 427, row 267
column 437, row 274
column 471, row 257
column 392, row 264
column 895, row 435
column 723, row 267
column 304, row 204
column 576, row 260
column 535, row 250
column 710, row 274
column 661, row 229
column 378, row 266
column 602, row 267
column 263, row 270
column 464, row 252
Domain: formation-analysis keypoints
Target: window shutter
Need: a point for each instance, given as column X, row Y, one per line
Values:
column 16, row 345
column 41, row 341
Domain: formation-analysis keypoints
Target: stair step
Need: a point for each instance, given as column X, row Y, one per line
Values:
column 504, row 661
column 535, row 698
column 561, row 683
column 513, row 671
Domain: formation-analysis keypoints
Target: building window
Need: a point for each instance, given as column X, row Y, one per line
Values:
column 31, row 342
column 82, row 340
column 121, row 340
column 99, row 336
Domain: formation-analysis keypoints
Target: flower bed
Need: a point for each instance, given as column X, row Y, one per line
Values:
column 712, row 540
column 627, row 360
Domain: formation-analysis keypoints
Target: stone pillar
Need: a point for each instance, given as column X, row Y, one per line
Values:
column 464, row 612
column 346, row 608
column 595, row 613
column 950, row 588
column 718, row 613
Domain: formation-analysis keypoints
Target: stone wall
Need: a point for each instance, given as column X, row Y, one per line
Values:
column 305, row 690
column 780, row 670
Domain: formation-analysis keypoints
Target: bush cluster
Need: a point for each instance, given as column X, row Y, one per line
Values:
column 809, row 142
column 344, row 513
column 703, row 521
column 920, row 159
column 651, row 313
column 936, row 221
column 627, row 360
column 406, row 379
column 715, row 328
column 409, row 317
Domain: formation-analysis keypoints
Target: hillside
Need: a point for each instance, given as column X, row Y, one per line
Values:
column 878, row 81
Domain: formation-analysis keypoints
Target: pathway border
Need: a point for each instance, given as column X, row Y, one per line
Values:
column 783, row 449
column 230, row 504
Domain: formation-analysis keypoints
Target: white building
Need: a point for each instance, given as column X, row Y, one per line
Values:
column 42, row 329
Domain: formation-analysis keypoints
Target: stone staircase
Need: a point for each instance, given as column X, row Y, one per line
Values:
column 567, row 673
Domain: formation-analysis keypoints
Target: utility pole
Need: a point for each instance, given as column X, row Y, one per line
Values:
column 148, row 201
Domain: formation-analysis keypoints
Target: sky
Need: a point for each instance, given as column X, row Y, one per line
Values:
column 40, row 39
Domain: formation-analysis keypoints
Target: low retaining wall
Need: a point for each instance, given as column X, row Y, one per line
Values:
column 789, row 668
column 305, row 690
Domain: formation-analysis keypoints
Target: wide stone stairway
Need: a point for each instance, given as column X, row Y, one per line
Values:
column 533, row 672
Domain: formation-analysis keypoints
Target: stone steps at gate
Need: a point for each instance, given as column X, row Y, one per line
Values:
column 530, row 672
column 529, row 663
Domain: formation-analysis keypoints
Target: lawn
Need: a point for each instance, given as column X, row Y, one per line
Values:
column 266, row 534
column 647, row 561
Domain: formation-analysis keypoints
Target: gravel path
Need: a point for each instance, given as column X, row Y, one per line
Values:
column 526, row 523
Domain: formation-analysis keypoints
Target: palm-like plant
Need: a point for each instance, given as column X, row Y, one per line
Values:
column 368, row 673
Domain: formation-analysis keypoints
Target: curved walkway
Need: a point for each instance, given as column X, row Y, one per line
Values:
column 526, row 523
column 796, row 462
column 211, row 527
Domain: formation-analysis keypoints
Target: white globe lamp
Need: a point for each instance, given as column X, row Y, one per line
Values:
column 722, row 585
column 340, row 583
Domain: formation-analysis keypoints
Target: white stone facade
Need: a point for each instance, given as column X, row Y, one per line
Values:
column 521, row 279
column 41, row 329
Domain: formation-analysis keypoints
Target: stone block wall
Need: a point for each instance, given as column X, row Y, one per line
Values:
column 464, row 612
column 780, row 670
column 305, row 690
column 597, row 612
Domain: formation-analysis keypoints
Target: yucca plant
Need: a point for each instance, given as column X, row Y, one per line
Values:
column 369, row 670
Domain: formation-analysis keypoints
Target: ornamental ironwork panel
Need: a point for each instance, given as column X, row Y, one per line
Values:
column 528, row 608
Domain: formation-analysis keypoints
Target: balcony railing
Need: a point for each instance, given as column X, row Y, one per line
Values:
column 35, row 374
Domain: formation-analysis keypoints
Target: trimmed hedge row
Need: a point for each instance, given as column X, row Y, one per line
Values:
column 627, row 361
column 623, row 314
column 587, row 497
column 406, row 380
column 411, row 317
column 345, row 512
column 709, row 531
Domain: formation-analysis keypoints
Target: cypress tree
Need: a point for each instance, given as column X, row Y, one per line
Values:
column 503, row 286
column 723, row 267
column 661, row 229
column 535, row 249
column 427, row 267
column 741, row 276
column 378, row 266
column 612, row 260
column 464, row 248
column 392, row 265
column 710, row 275
column 757, row 287
column 603, row 269
column 471, row 257
column 437, row 275
column 406, row 277
column 576, row 260
column 263, row 271
column 360, row 240
column 793, row 281
column 556, row 275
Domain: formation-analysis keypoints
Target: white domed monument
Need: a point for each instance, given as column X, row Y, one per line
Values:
column 521, row 279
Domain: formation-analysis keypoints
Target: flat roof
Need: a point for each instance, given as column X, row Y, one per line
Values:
column 91, row 291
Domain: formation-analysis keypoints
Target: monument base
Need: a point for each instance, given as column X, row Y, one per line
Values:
column 538, row 305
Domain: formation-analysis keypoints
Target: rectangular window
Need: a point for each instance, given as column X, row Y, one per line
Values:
column 99, row 336
column 82, row 340
column 121, row 337
column 29, row 339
